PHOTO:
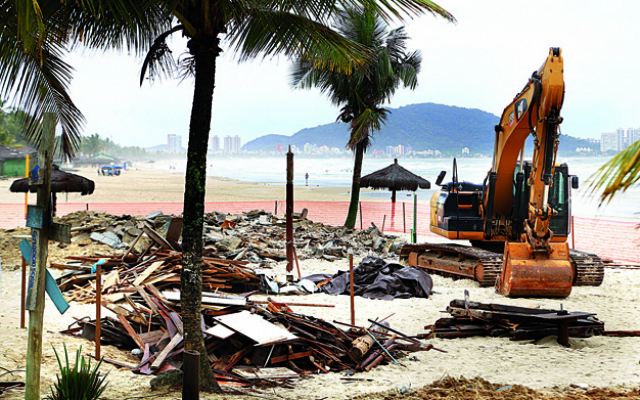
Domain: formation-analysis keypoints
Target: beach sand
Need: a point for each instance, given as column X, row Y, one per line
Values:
column 598, row 361
column 145, row 183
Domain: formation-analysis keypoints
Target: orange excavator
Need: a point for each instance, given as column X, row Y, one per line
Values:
column 518, row 219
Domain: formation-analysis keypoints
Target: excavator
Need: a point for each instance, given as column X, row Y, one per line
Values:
column 518, row 219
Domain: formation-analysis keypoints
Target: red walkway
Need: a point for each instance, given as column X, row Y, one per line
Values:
column 619, row 240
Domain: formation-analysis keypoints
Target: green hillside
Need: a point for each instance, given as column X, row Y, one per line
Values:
column 425, row 126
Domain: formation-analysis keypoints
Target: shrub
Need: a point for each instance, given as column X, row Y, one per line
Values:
column 80, row 382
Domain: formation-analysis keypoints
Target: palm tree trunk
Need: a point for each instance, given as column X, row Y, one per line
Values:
column 355, row 186
column 193, row 214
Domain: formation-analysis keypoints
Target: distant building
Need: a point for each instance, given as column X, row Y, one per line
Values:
column 232, row 144
column 174, row 143
column 408, row 150
column 622, row 141
column 215, row 144
column 389, row 150
column 13, row 160
column 465, row 150
column 308, row 148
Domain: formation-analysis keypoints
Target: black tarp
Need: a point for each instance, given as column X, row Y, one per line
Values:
column 374, row 278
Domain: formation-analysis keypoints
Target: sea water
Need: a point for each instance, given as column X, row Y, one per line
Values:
column 337, row 172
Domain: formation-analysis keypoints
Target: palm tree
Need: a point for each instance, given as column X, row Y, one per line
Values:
column 251, row 28
column 35, row 37
column 618, row 174
column 362, row 94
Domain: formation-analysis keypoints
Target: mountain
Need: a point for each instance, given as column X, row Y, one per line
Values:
column 425, row 126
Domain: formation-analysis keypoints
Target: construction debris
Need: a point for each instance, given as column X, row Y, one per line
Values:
column 518, row 323
column 256, row 236
column 374, row 278
column 244, row 343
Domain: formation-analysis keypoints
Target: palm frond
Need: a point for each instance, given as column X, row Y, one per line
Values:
column 618, row 174
column 270, row 33
column 159, row 60
column 399, row 9
column 365, row 124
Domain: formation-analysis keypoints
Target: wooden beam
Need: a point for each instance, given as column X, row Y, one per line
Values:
column 34, row 346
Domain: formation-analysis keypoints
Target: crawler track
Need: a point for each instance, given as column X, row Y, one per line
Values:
column 483, row 266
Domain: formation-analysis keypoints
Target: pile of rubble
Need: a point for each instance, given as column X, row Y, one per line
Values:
column 469, row 318
column 256, row 236
column 245, row 341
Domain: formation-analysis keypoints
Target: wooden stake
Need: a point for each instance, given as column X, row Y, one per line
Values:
column 98, row 307
column 295, row 255
column 384, row 219
column 289, row 212
column 353, row 306
column 404, row 219
column 26, row 195
column 23, row 297
column 34, row 346
column 360, row 215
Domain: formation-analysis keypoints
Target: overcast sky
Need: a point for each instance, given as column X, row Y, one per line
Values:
column 481, row 62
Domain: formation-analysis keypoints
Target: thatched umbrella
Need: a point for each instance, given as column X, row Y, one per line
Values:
column 61, row 182
column 394, row 177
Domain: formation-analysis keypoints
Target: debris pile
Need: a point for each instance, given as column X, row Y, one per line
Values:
column 374, row 278
column 245, row 340
column 518, row 323
column 256, row 236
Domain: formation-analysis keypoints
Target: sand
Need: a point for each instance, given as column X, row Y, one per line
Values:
column 598, row 362
column 147, row 184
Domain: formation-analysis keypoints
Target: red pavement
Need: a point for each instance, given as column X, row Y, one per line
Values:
column 618, row 240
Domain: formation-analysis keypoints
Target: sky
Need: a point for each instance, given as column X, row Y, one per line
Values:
column 482, row 62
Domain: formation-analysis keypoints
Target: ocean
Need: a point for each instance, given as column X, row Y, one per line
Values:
column 338, row 172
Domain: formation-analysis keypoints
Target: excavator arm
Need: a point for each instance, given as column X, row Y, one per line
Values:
column 533, row 265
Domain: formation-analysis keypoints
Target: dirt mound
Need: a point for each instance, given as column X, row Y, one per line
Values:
column 481, row 389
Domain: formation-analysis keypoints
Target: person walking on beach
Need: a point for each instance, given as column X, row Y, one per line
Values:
column 306, row 177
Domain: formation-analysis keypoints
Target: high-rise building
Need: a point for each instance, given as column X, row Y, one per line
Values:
column 389, row 150
column 607, row 141
column 174, row 143
column 214, row 146
column 232, row 144
column 636, row 135
column 621, row 140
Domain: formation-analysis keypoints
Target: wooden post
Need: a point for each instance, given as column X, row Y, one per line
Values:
column 23, row 296
column 26, row 195
column 573, row 235
column 353, row 306
column 34, row 346
column 98, row 308
column 289, row 211
column 404, row 219
column 414, row 238
column 360, row 215
column 276, row 208
column 384, row 220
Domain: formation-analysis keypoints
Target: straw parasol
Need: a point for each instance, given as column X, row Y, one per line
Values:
column 394, row 177
column 61, row 182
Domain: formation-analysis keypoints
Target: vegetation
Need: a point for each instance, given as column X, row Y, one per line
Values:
column 363, row 93
column 80, row 382
column 10, row 126
column 35, row 37
column 618, row 174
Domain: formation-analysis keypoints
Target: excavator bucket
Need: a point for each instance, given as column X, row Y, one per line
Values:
column 535, row 274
